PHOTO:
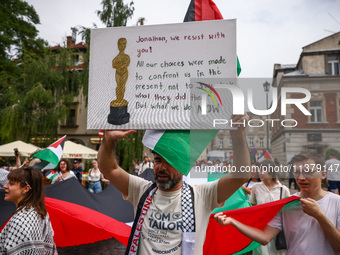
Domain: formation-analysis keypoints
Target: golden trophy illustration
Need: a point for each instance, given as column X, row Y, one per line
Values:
column 118, row 107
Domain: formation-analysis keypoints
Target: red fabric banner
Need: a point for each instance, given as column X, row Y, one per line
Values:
column 227, row 239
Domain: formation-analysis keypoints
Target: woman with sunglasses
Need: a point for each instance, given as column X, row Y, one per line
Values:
column 29, row 230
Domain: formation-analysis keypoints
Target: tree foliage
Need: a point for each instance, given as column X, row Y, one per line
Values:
column 331, row 150
column 18, row 32
column 129, row 149
column 33, row 103
column 115, row 13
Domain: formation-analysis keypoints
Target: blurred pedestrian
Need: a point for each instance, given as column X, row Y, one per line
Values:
column 269, row 190
column 4, row 171
column 77, row 170
column 95, row 178
column 64, row 172
column 333, row 173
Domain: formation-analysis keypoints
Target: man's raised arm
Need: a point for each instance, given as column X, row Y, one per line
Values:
column 107, row 161
column 228, row 184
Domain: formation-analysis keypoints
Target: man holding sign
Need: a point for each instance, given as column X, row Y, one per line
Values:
column 171, row 217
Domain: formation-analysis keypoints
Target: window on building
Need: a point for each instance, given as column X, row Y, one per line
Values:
column 250, row 129
column 333, row 65
column 261, row 142
column 221, row 142
column 251, row 141
column 71, row 119
column 339, row 110
column 261, row 128
column 230, row 142
column 316, row 111
column 75, row 59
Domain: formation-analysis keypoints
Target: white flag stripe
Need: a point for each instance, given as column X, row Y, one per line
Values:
column 57, row 151
column 151, row 138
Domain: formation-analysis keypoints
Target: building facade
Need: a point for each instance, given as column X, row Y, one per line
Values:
column 256, row 138
column 74, row 126
column 318, row 72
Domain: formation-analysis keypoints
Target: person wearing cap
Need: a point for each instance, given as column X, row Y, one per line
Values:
column 171, row 217
column 78, row 170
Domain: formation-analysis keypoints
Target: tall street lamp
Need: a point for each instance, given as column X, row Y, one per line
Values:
column 266, row 87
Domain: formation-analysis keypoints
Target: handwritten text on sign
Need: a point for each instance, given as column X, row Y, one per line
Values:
column 156, row 79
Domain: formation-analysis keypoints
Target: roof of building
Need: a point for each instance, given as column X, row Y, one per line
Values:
column 298, row 72
column 75, row 46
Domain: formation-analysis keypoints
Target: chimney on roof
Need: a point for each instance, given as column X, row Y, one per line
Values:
column 70, row 41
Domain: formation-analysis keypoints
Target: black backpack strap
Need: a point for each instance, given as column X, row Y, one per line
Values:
column 138, row 212
column 281, row 193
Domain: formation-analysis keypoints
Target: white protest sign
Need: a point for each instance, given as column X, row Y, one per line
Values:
column 140, row 76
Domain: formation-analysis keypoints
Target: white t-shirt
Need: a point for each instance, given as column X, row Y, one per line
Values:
column 63, row 179
column 260, row 194
column 303, row 233
column 333, row 169
column 161, row 232
column 249, row 184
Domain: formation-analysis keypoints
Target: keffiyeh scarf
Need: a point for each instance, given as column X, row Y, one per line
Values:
column 26, row 233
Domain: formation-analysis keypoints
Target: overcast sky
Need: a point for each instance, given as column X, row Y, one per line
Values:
column 268, row 31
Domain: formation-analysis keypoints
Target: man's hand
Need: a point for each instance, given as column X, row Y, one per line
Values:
column 311, row 207
column 114, row 135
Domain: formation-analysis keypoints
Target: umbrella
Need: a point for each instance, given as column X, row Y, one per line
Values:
column 74, row 150
column 25, row 149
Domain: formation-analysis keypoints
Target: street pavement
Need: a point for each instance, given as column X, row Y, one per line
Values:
column 107, row 247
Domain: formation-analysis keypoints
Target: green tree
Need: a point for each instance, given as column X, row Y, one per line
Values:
column 331, row 150
column 33, row 103
column 18, row 32
column 129, row 149
column 115, row 13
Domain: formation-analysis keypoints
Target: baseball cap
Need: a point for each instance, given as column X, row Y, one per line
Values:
column 75, row 161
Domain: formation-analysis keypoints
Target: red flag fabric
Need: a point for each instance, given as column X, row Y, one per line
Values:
column 74, row 228
column 202, row 10
column 227, row 239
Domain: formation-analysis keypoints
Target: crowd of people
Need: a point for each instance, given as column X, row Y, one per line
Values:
column 182, row 211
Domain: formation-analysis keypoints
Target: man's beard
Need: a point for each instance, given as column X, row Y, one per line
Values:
column 167, row 184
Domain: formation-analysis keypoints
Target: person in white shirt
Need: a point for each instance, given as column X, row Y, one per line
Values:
column 333, row 173
column 268, row 190
column 310, row 227
column 173, row 216
column 145, row 165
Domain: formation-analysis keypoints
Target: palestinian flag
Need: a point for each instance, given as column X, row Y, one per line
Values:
column 205, row 10
column 50, row 174
column 228, row 240
column 180, row 148
column 236, row 201
column 53, row 152
column 74, row 211
column 266, row 157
